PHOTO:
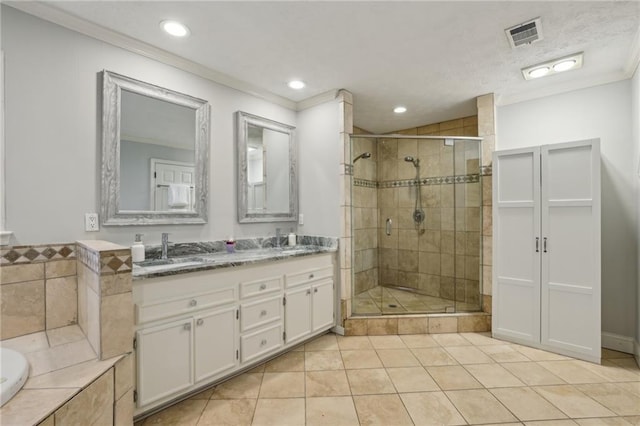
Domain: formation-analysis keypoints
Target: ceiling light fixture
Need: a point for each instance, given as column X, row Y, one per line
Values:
column 175, row 28
column 400, row 109
column 566, row 63
column 296, row 84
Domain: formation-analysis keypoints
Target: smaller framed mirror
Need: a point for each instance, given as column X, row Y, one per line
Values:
column 267, row 170
column 155, row 150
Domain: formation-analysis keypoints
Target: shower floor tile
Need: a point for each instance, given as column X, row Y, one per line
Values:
column 385, row 300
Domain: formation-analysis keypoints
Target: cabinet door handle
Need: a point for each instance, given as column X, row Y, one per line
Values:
column 187, row 326
column 263, row 342
column 263, row 286
column 263, row 312
column 315, row 290
column 200, row 321
column 308, row 291
column 193, row 302
column 311, row 276
column 537, row 244
column 544, row 244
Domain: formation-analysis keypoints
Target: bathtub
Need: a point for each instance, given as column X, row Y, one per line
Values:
column 14, row 371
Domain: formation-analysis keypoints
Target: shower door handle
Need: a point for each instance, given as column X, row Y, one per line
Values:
column 388, row 226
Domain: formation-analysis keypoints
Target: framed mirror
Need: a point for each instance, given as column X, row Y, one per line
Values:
column 267, row 170
column 155, row 154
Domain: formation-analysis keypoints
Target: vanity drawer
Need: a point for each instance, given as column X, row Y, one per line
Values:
column 257, row 314
column 183, row 305
column 261, row 342
column 308, row 276
column 259, row 287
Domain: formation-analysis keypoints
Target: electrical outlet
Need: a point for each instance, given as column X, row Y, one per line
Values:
column 91, row 222
column 300, row 219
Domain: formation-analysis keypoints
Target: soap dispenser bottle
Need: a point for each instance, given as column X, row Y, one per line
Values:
column 137, row 249
column 292, row 238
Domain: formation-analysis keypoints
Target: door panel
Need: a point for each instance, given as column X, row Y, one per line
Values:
column 215, row 343
column 322, row 305
column 297, row 314
column 165, row 348
column 516, row 225
column 570, row 279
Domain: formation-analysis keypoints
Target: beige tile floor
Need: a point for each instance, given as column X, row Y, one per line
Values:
column 388, row 300
column 437, row 379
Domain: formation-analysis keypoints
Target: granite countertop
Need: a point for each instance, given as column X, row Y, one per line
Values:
column 193, row 257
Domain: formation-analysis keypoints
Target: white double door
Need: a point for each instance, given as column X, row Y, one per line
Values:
column 546, row 247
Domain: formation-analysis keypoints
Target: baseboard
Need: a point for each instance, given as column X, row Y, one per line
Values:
column 637, row 351
column 338, row 330
column 619, row 343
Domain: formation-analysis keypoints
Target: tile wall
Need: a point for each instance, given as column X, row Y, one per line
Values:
column 365, row 212
column 38, row 289
column 105, row 303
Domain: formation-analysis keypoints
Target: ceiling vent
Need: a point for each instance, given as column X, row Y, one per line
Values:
column 525, row 33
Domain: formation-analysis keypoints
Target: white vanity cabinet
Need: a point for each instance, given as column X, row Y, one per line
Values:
column 309, row 302
column 183, row 341
column 196, row 329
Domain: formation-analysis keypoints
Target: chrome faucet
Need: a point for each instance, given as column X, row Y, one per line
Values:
column 165, row 245
column 277, row 237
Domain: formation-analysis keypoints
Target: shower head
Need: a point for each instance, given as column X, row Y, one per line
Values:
column 410, row 159
column 364, row 155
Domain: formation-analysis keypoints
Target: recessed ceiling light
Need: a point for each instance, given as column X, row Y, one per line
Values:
column 296, row 84
column 400, row 109
column 539, row 72
column 554, row 66
column 564, row 65
column 175, row 28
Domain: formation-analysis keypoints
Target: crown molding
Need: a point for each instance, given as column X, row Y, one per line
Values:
column 74, row 23
column 634, row 56
column 318, row 99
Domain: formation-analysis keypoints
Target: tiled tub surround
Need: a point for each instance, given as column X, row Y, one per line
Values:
column 58, row 309
column 202, row 256
column 105, row 304
column 68, row 384
column 38, row 289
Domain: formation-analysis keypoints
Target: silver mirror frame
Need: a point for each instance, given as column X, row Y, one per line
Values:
column 112, row 85
column 243, row 120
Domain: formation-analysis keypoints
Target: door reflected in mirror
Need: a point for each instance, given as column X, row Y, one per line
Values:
column 157, row 153
column 267, row 186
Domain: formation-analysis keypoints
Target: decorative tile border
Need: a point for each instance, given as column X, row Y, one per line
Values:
column 35, row 254
column 440, row 180
column 108, row 262
column 486, row 170
column 365, row 183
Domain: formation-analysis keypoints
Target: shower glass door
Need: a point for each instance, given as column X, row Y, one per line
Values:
column 415, row 217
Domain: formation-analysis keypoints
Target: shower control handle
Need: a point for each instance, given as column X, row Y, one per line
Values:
column 388, row 226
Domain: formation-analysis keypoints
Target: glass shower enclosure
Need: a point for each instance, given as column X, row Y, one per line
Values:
column 416, row 224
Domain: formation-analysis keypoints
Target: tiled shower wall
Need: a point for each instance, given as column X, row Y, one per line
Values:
column 445, row 250
column 365, row 215
column 440, row 257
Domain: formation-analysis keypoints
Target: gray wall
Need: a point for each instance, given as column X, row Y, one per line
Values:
column 598, row 112
column 53, row 138
column 320, row 180
column 635, row 117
